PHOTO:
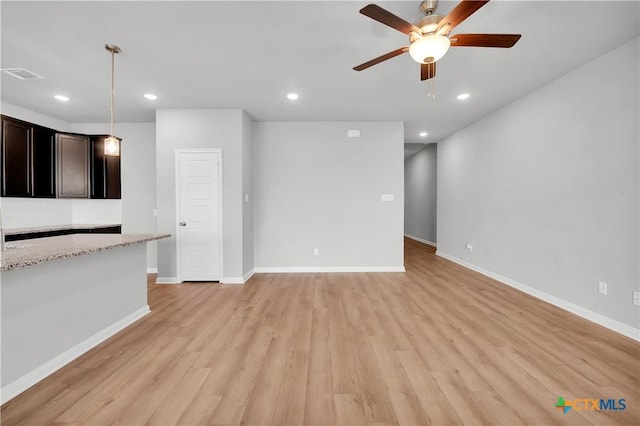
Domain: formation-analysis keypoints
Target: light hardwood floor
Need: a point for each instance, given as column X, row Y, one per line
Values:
column 438, row 344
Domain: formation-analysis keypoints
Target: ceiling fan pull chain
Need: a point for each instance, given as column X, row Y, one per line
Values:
column 431, row 88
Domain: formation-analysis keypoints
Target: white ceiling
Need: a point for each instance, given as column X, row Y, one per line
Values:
column 214, row 54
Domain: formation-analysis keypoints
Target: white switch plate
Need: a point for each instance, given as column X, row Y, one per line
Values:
column 636, row 298
column 316, row 251
column 387, row 197
column 602, row 288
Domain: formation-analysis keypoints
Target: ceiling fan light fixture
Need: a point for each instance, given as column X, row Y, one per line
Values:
column 429, row 48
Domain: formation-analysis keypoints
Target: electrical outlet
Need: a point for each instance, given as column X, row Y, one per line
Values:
column 470, row 248
column 602, row 288
column 636, row 298
column 316, row 252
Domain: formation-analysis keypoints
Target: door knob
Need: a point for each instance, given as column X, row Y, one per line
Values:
column 183, row 223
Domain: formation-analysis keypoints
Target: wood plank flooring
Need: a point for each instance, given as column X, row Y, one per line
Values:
column 437, row 345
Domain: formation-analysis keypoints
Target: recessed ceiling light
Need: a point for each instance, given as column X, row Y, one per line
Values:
column 150, row 96
column 61, row 98
column 423, row 134
column 462, row 96
column 292, row 96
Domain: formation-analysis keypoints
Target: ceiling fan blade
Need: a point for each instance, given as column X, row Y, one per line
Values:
column 381, row 59
column 462, row 11
column 427, row 71
column 385, row 17
column 485, row 40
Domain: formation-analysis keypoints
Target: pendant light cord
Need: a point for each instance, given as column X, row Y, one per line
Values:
column 113, row 73
column 113, row 49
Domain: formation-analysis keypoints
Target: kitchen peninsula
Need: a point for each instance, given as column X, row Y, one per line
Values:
column 63, row 295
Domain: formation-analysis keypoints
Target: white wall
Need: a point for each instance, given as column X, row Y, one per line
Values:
column 247, row 191
column 38, row 212
column 420, row 189
column 138, row 178
column 30, row 212
column 547, row 189
column 201, row 128
column 316, row 188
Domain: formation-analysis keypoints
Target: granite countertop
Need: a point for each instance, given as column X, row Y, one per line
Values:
column 22, row 254
column 13, row 231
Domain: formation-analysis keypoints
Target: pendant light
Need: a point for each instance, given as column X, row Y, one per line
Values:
column 112, row 144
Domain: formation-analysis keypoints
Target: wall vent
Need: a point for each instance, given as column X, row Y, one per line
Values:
column 22, row 74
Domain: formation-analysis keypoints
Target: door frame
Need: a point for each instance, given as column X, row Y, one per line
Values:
column 179, row 151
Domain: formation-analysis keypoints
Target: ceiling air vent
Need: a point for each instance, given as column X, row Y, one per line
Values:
column 22, row 74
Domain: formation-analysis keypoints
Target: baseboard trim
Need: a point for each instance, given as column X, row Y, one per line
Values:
column 249, row 274
column 232, row 280
column 152, row 270
column 611, row 324
column 326, row 269
column 167, row 280
column 432, row 244
column 15, row 388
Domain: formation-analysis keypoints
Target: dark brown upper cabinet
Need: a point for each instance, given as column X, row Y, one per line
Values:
column 39, row 162
column 28, row 160
column 72, row 166
column 16, row 159
column 105, row 171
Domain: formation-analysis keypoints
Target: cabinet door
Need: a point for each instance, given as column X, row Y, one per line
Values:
column 105, row 171
column 98, row 180
column 112, row 176
column 44, row 161
column 16, row 159
column 72, row 166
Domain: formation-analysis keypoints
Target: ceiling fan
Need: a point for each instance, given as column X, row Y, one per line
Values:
column 430, row 36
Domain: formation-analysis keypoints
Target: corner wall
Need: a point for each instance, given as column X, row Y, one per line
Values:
column 201, row 128
column 546, row 191
column 420, row 200
column 248, row 196
column 317, row 188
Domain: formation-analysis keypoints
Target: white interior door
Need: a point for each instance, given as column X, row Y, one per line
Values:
column 198, row 215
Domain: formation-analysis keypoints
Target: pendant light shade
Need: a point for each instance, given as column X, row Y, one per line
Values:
column 112, row 144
